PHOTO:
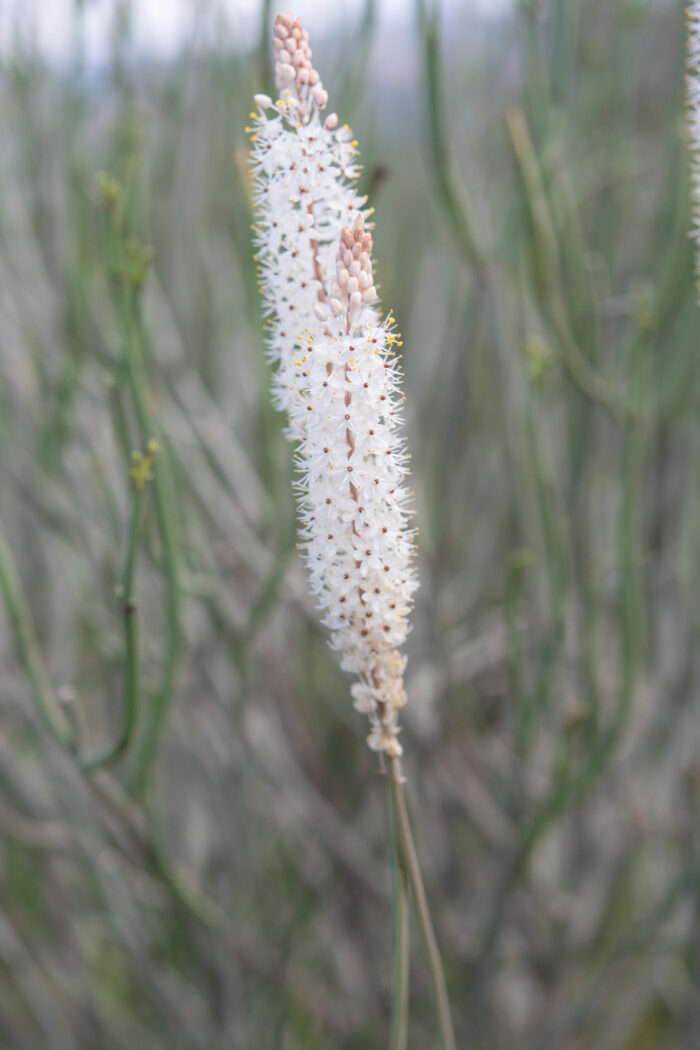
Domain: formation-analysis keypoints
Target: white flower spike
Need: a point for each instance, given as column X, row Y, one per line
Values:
column 338, row 380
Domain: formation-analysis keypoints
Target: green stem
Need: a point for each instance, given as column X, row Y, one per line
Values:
column 450, row 192
column 553, row 544
column 425, row 924
column 166, row 517
column 571, row 787
column 265, row 46
column 114, row 751
column 546, row 268
column 402, row 942
column 49, row 711
column 355, row 77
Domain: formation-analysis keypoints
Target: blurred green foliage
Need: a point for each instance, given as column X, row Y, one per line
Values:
column 193, row 837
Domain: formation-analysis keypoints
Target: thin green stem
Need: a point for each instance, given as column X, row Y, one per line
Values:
column 20, row 618
column 425, row 924
column 546, row 269
column 355, row 77
column 128, row 267
column 166, row 517
column 402, row 943
column 114, row 751
column 568, row 789
column 450, row 192
column 265, row 45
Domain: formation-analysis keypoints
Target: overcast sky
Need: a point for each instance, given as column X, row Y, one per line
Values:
column 160, row 26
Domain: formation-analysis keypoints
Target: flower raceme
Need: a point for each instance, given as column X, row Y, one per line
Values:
column 337, row 378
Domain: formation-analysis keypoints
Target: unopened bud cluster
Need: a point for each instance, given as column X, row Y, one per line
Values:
column 337, row 378
column 293, row 68
column 353, row 284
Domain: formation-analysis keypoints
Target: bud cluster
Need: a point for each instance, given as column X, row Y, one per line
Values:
column 353, row 271
column 293, row 68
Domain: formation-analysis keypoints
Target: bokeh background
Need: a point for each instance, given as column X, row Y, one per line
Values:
column 193, row 835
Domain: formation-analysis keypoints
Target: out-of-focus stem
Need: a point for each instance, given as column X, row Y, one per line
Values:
column 356, row 77
column 569, row 789
column 28, row 648
column 166, row 517
column 582, row 373
column 127, row 288
column 425, row 924
column 114, row 751
column 265, row 46
column 450, row 193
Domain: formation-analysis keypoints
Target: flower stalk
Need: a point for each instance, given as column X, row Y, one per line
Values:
column 402, row 939
column 425, row 923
